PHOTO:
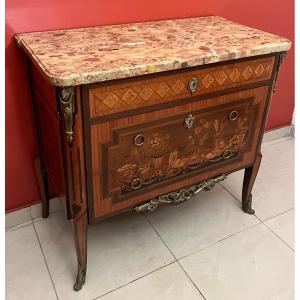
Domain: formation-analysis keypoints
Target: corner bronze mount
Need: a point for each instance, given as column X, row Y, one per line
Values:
column 282, row 55
column 80, row 280
column 66, row 99
column 247, row 206
column 180, row 196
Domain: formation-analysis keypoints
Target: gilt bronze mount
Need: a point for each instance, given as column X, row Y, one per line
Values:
column 180, row 196
column 80, row 280
column 66, row 98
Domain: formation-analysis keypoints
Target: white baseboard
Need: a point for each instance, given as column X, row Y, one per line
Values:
column 34, row 212
column 278, row 133
column 293, row 130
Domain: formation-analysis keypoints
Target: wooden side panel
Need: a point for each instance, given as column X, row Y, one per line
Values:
column 48, row 126
column 75, row 160
column 103, row 134
column 113, row 97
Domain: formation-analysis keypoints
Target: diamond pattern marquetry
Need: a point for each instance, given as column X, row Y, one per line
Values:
column 220, row 77
column 207, row 80
column 146, row 92
column 259, row 70
column 129, row 96
column 247, row 72
column 178, row 86
column 234, row 75
column 112, row 100
column 120, row 97
column 267, row 67
column 162, row 89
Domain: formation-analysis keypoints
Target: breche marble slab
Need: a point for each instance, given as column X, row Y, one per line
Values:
column 96, row 54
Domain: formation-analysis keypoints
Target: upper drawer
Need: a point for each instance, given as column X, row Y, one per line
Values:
column 113, row 97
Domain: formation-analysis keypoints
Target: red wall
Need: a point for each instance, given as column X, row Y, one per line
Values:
column 274, row 16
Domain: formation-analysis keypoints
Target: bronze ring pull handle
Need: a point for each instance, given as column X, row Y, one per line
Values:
column 227, row 154
column 233, row 115
column 136, row 183
column 193, row 84
column 139, row 140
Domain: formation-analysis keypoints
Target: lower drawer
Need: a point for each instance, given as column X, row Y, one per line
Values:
column 143, row 156
column 137, row 158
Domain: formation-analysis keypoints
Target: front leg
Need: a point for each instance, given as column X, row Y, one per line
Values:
column 249, row 178
column 80, row 238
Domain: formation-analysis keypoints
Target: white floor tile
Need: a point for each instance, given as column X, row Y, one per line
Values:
column 26, row 274
column 168, row 283
column 17, row 217
column 120, row 250
column 283, row 226
column 253, row 264
column 273, row 191
column 204, row 220
column 55, row 205
column 277, row 134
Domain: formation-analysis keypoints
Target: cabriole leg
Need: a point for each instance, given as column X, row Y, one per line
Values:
column 80, row 238
column 249, row 178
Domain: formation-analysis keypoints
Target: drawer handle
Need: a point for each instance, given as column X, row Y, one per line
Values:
column 227, row 154
column 136, row 183
column 189, row 121
column 193, row 85
column 233, row 115
column 139, row 140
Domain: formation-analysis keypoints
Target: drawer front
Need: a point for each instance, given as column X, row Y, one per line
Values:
column 141, row 156
column 136, row 158
column 115, row 97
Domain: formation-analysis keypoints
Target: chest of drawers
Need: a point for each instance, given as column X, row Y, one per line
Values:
column 141, row 115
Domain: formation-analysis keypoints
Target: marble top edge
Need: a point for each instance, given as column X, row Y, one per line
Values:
column 95, row 54
column 18, row 36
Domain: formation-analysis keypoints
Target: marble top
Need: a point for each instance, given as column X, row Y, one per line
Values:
column 95, row 54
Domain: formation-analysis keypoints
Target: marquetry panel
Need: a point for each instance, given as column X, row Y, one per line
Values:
column 110, row 98
column 110, row 149
column 152, row 153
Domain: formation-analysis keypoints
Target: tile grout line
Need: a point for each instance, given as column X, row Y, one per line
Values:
column 15, row 227
column 278, row 214
column 41, row 219
column 176, row 260
column 278, row 236
column 188, row 276
column 147, row 274
column 275, row 141
column 45, row 261
column 221, row 240
column 136, row 279
column 231, row 194
column 261, row 220
column 32, row 220
column 236, row 199
column 147, row 219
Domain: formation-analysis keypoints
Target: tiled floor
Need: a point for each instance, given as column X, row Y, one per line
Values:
column 205, row 249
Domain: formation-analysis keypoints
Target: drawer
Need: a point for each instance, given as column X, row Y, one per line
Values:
column 157, row 151
column 118, row 96
column 134, row 159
